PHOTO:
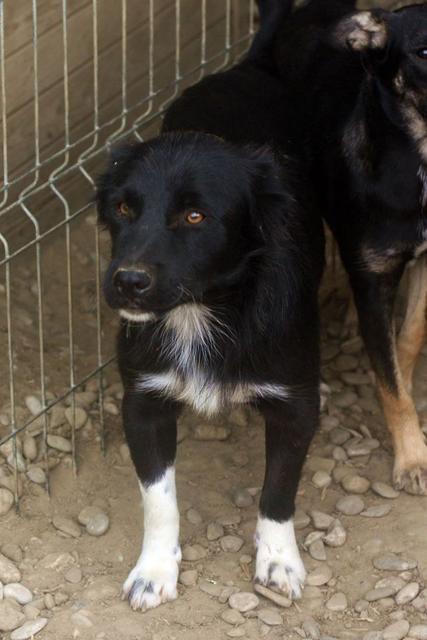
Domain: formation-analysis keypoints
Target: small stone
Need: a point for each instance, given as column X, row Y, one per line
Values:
column 59, row 443
column 377, row 511
column 329, row 422
column 319, row 576
column 408, row 593
column 339, row 454
column 231, row 544
column 321, row 479
column 321, row 520
column 31, row 612
column 214, row 531
column 125, row 453
column 419, row 632
column 243, row 601
column 8, row 571
column 384, row 490
column 67, row 526
column 338, row 602
column 232, row 616
column 49, row 601
column 338, row 436
column 336, row 535
column 194, row 517
column 33, row 404
column 81, row 619
column 311, row 629
column 12, row 551
column 277, row 598
column 316, row 463
column 242, row 498
column 392, row 562
column 6, row 501
column 271, row 617
column 230, row 519
column 10, row 616
column 301, row 520
column 73, row 575
column 373, row 635
column 344, row 399
column 194, row 552
column 361, row 605
column 211, row 432
column 98, row 524
column 346, row 362
column 379, row 593
column 396, row 631
column 188, row 578
column 238, row 632
column 355, row 484
column 36, row 475
column 213, row 589
column 393, row 584
column 77, row 417
column 29, row 448
column 111, row 408
column 16, row 461
column 350, row 505
column 61, row 598
column 18, row 592
column 317, row 550
column 29, row 629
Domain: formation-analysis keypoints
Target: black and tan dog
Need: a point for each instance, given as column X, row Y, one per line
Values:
column 215, row 266
column 356, row 86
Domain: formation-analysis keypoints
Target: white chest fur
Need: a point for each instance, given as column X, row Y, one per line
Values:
column 189, row 336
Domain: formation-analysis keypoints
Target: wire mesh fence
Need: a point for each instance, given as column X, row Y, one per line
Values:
column 76, row 77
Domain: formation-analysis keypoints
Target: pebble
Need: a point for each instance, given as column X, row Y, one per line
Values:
column 277, row 598
column 361, row 605
column 230, row 519
column 214, row 531
column 194, row 552
column 311, row 629
column 31, row 612
column 319, row 576
column 8, row 571
column 33, row 404
column 213, row 589
column 393, row 583
column 243, row 601
column 6, row 501
column 78, row 417
column 29, row 448
column 377, row 511
column 355, row 484
column 73, row 575
column 317, row 550
column 49, row 601
column 271, row 617
column 316, row 463
column 338, row 602
column 232, row 616
column 188, row 578
column 125, row 453
column 242, row 498
column 10, row 616
column 396, row 631
column 211, row 432
column 98, row 524
column 17, row 461
column 321, row 520
column 321, row 479
column 59, row 442
column 29, row 629
column 12, row 551
column 301, row 519
column 344, row 399
column 339, row 454
column 408, row 593
column 231, row 544
column 194, row 517
column 238, row 632
column 350, row 505
column 384, row 490
column 392, row 562
column 67, row 526
column 346, row 362
column 111, row 408
column 18, row 592
column 379, row 593
column 339, row 436
column 336, row 535
column 36, row 475
column 419, row 632
column 329, row 422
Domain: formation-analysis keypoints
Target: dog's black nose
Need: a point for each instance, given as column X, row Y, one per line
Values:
column 132, row 284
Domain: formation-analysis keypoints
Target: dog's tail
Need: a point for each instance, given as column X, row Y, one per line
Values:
column 271, row 15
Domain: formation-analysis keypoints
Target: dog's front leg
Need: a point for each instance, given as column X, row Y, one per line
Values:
column 150, row 427
column 289, row 429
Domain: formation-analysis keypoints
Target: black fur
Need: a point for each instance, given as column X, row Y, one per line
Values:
column 255, row 261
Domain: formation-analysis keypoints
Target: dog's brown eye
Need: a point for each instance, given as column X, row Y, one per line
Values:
column 194, row 217
column 422, row 53
column 123, row 209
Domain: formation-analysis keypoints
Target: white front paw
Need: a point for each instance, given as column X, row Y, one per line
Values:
column 278, row 562
column 152, row 581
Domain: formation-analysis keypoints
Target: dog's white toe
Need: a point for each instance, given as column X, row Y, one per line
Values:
column 152, row 582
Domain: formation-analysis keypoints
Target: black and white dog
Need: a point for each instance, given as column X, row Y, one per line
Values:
column 215, row 269
column 356, row 85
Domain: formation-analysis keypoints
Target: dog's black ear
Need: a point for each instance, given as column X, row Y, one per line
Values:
column 363, row 31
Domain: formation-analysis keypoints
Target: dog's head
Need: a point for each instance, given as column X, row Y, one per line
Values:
column 182, row 213
column 393, row 45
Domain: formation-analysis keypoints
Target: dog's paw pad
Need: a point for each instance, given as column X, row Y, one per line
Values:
column 413, row 481
column 150, row 584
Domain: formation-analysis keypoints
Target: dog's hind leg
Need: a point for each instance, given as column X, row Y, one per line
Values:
column 289, row 429
column 374, row 296
column 150, row 427
column 413, row 331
